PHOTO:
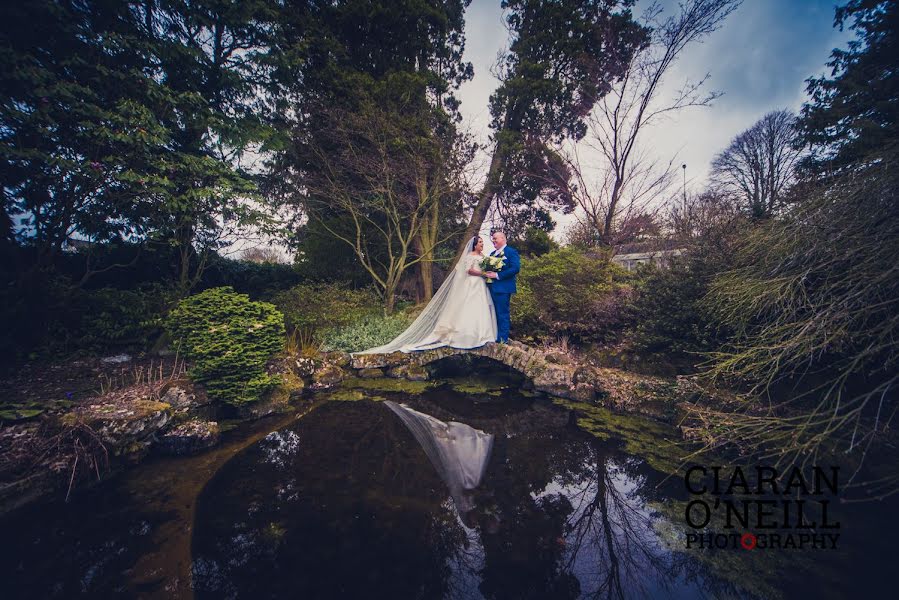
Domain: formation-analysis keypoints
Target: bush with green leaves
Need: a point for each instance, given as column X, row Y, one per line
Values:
column 123, row 318
column 668, row 314
column 319, row 306
column 228, row 338
column 535, row 242
column 568, row 292
column 368, row 332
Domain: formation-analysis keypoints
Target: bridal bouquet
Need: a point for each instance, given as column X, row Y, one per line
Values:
column 492, row 263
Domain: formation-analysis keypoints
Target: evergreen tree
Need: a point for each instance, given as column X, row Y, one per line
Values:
column 79, row 145
column 852, row 115
column 347, row 73
column 563, row 57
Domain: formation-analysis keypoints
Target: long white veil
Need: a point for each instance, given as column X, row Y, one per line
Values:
column 459, row 452
column 423, row 326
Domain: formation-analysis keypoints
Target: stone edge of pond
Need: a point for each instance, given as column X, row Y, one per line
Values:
column 133, row 422
column 553, row 373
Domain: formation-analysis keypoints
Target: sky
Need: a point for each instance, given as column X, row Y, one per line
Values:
column 759, row 59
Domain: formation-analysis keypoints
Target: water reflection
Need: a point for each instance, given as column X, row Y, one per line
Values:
column 437, row 497
column 347, row 502
column 458, row 452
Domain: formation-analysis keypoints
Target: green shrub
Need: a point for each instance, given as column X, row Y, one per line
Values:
column 567, row 292
column 319, row 306
column 123, row 318
column 260, row 280
column 368, row 332
column 668, row 317
column 228, row 338
column 535, row 242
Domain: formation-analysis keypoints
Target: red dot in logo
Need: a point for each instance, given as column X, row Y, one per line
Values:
column 748, row 541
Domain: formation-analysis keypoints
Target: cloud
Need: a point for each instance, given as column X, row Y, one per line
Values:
column 759, row 59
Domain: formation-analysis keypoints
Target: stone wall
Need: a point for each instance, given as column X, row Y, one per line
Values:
column 554, row 373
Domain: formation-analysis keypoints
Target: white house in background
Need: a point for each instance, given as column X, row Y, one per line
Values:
column 657, row 257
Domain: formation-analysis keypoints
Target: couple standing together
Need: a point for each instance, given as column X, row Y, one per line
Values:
column 470, row 309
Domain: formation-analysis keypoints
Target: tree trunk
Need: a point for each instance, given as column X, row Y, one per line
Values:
column 389, row 298
column 426, row 241
column 610, row 214
column 184, row 238
column 485, row 197
column 425, row 271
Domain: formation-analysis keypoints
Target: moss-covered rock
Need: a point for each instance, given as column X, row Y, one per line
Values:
column 346, row 395
column 385, row 384
column 126, row 425
column 336, row 357
column 182, row 395
column 412, row 372
column 327, row 375
column 371, row 373
column 190, row 437
column 554, row 373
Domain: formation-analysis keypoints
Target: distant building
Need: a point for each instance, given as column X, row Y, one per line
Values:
column 75, row 244
column 657, row 257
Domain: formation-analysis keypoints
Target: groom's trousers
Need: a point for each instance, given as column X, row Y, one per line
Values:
column 501, row 305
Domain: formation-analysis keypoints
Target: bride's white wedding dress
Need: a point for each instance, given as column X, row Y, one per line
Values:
column 460, row 315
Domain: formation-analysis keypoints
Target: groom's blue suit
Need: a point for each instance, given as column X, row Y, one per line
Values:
column 502, row 288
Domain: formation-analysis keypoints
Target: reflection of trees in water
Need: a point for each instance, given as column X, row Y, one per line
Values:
column 368, row 516
column 612, row 526
column 611, row 535
column 566, row 516
column 359, row 510
column 550, row 504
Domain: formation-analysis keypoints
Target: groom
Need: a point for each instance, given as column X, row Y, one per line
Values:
column 503, row 285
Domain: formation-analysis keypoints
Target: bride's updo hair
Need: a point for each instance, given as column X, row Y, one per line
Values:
column 474, row 242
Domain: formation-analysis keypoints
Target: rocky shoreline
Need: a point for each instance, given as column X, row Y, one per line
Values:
column 102, row 434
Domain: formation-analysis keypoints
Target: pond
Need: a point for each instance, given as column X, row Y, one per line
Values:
column 367, row 495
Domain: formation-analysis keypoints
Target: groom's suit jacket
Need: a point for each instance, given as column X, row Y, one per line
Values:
column 505, row 281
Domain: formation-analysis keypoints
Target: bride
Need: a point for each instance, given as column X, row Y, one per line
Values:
column 460, row 315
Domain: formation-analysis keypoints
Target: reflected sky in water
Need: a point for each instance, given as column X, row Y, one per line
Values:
column 346, row 503
column 558, row 513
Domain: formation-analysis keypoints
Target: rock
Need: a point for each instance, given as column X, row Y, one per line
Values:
column 377, row 361
column 305, row 367
column 189, row 437
column 276, row 400
column 126, row 426
column 558, row 358
column 116, row 359
column 555, row 373
column 371, row 373
column 410, row 372
column 327, row 375
column 183, row 396
column 584, row 392
column 341, row 359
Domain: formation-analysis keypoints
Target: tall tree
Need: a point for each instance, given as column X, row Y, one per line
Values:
column 79, row 145
column 381, row 172
column 211, row 58
column 564, row 56
column 128, row 120
column 628, row 178
column 812, row 296
column 759, row 165
column 852, row 116
column 345, row 58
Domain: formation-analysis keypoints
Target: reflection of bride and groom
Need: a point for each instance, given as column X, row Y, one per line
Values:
column 596, row 537
column 471, row 307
